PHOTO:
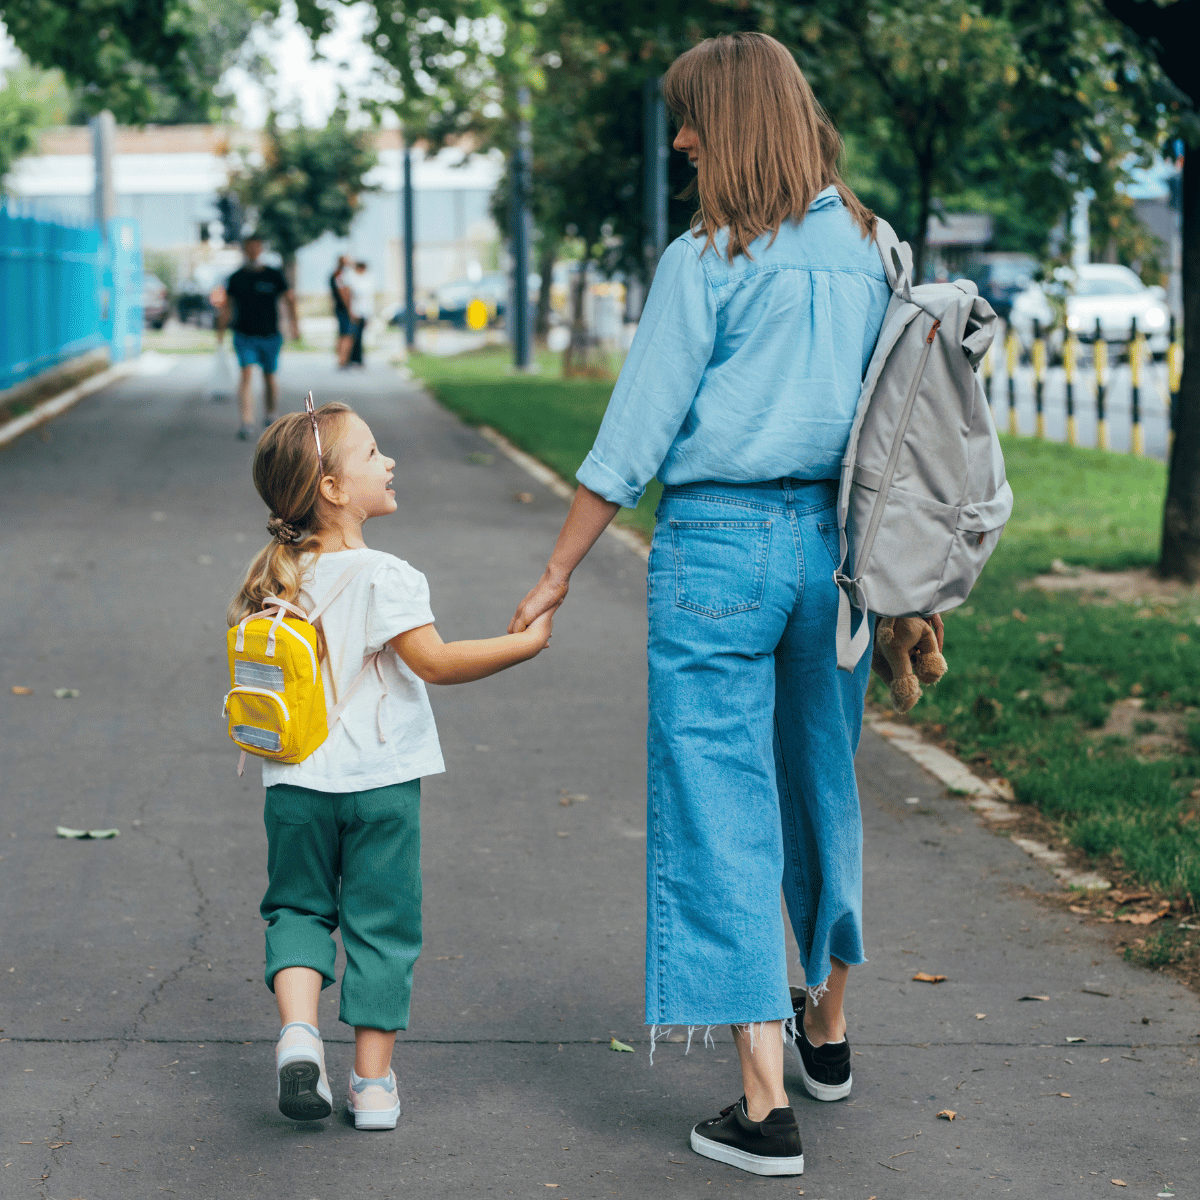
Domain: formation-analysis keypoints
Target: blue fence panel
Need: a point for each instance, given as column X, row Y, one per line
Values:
column 64, row 290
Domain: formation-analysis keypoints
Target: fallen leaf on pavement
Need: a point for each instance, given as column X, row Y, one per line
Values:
column 947, row 1114
column 1078, row 908
column 1119, row 1182
column 21, row 691
column 1076, row 1039
column 1033, row 997
column 1123, row 897
column 85, row 834
column 1142, row 918
column 924, row 977
column 980, row 1016
column 523, row 497
column 66, row 693
column 1065, row 1095
column 615, row 1045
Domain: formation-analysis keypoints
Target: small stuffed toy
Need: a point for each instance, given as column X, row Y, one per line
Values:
column 906, row 655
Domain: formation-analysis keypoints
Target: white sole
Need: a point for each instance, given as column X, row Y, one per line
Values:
column 377, row 1120
column 756, row 1164
column 821, row 1091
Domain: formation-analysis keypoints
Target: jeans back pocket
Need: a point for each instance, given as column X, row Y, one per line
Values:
column 720, row 566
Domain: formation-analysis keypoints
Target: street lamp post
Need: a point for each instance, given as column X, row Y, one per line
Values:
column 410, row 314
column 519, row 177
column 654, row 153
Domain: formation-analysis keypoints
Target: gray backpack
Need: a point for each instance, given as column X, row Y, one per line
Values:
column 923, row 498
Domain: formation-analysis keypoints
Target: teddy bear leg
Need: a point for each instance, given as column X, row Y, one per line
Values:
column 905, row 691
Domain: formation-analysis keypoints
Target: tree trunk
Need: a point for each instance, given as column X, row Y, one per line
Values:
column 1180, row 555
column 547, row 255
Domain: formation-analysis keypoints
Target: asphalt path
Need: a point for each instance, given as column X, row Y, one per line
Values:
column 136, row 1034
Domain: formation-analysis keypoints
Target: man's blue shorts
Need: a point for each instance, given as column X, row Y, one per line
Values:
column 345, row 323
column 261, row 350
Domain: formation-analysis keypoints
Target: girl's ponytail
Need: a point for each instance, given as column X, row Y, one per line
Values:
column 287, row 474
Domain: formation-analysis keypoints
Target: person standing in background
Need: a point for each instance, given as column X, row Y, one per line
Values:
column 252, row 297
column 340, row 289
column 362, row 291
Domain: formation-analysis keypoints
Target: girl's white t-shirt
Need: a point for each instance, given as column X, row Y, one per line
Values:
column 385, row 598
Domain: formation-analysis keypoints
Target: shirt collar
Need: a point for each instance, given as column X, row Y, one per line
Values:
column 824, row 199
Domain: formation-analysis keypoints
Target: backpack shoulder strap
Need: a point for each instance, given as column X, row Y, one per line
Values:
column 334, row 592
column 897, row 259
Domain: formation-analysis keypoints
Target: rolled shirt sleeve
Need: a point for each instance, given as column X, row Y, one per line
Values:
column 658, row 383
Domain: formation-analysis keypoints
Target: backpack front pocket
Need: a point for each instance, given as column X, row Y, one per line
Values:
column 259, row 720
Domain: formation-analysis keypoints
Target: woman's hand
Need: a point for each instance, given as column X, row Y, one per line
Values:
column 545, row 597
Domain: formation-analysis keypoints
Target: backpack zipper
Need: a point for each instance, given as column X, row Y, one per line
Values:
column 255, row 691
column 897, row 445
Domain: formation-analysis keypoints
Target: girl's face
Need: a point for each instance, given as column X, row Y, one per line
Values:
column 687, row 140
column 366, row 472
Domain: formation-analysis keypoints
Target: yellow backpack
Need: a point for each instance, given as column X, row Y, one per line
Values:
column 276, row 700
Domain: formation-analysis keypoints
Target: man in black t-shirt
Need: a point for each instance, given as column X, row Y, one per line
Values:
column 341, row 309
column 251, row 306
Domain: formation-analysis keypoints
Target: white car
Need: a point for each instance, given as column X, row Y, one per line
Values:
column 1116, row 297
column 1112, row 294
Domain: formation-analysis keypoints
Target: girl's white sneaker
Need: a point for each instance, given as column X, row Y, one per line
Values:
column 374, row 1103
column 303, row 1092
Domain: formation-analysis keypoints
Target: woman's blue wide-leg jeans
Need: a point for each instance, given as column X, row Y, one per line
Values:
column 751, row 743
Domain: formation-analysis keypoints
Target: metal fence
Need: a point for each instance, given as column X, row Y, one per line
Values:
column 65, row 290
column 1110, row 395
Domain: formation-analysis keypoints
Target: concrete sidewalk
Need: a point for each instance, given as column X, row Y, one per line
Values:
column 135, row 1053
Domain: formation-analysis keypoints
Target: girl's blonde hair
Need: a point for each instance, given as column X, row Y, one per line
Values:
column 287, row 474
column 767, row 146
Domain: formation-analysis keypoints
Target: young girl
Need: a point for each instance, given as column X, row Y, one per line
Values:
column 343, row 831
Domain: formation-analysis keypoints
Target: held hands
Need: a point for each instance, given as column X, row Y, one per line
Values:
column 538, row 630
column 545, row 597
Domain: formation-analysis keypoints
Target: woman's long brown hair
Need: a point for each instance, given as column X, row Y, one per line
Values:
column 766, row 146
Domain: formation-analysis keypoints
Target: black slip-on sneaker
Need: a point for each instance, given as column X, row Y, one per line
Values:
column 824, row 1070
column 770, row 1147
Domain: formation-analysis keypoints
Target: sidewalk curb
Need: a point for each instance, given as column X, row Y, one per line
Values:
column 984, row 798
column 47, row 410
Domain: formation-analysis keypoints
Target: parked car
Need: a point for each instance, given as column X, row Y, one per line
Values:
column 1116, row 297
column 156, row 301
column 1000, row 277
column 1112, row 293
column 450, row 301
column 202, row 294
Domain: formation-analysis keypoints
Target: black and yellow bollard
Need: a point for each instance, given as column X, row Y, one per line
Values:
column 1135, row 396
column 1100, row 362
column 1070, row 353
column 1011, row 349
column 1039, row 378
column 1174, row 377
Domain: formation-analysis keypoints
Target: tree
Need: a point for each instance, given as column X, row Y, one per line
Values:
column 1168, row 33
column 29, row 101
column 308, row 182
column 137, row 58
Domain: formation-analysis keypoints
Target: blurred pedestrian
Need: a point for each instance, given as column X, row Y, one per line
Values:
column 739, row 392
column 340, row 288
column 362, row 292
column 251, row 306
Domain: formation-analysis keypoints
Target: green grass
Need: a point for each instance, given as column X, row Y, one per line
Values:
column 552, row 418
column 1033, row 676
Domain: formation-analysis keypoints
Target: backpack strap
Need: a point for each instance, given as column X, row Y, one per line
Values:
column 371, row 662
column 897, row 259
column 334, row 592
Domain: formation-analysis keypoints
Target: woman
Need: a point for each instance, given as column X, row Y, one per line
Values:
column 738, row 393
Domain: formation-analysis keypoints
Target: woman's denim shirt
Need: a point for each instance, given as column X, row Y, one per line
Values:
column 745, row 371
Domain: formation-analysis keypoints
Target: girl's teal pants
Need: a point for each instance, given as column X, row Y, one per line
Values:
column 350, row 860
